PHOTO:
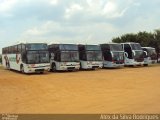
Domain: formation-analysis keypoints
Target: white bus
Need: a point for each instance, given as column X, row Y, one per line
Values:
column 113, row 55
column 90, row 56
column 26, row 57
column 64, row 57
column 133, row 54
column 150, row 55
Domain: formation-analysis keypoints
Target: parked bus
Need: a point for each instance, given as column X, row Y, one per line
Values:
column 64, row 57
column 158, row 57
column 90, row 56
column 26, row 57
column 133, row 53
column 113, row 55
column 150, row 55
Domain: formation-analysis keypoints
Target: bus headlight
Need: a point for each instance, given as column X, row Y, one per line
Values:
column 88, row 63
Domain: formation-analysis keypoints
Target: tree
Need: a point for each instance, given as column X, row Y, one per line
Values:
column 156, row 41
column 144, row 38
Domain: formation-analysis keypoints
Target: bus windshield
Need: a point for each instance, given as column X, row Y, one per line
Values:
column 68, row 47
column 36, row 57
column 93, row 47
column 36, row 46
column 136, row 46
column 69, row 56
column 94, row 56
column 116, row 47
column 118, row 56
column 151, row 52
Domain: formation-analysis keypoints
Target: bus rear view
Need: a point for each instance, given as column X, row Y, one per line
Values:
column 90, row 56
column 113, row 55
column 133, row 54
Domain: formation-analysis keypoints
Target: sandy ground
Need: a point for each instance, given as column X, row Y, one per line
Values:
column 127, row 90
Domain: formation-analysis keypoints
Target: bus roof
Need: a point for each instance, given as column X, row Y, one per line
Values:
column 110, row 43
column 62, row 44
column 149, row 47
column 130, row 43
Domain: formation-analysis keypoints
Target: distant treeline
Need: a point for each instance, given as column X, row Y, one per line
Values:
column 146, row 39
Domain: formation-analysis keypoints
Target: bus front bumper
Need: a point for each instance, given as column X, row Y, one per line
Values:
column 66, row 68
column 111, row 65
column 92, row 65
column 37, row 69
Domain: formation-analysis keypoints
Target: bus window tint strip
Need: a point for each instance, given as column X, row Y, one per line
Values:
column 136, row 46
column 93, row 47
column 68, row 47
column 116, row 47
column 36, row 47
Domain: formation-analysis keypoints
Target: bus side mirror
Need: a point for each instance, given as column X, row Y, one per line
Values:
column 126, row 54
column 134, row 53
column 145, row 53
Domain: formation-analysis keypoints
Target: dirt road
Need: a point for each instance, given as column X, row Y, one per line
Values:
column 127, row 90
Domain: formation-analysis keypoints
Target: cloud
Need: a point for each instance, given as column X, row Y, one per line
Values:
column 53, row 2
column 54, row 31
column 110, row 9
column 73, row 9
column 6, row 5
column 89, row 21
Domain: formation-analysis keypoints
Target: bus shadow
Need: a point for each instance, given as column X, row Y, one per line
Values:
column 68, row 71
column 26, row 74
column 136, row 66
column 112, row 68
column 96, row 69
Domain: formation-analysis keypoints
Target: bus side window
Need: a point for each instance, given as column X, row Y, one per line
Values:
column 10, row 50
column 15, row 49
column 58, row 56
column 3, row 51
column 127, row 49
column 19, row 48
column 107, row 55
column 24, row 59
column 82, row 55
column 23, row 48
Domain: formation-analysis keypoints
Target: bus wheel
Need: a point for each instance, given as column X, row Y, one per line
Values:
column 53, row 67
column 145, row 65
column 8, row 66
column 80, row 66
column 22, row 69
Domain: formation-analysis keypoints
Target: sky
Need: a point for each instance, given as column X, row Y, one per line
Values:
column 75, row 21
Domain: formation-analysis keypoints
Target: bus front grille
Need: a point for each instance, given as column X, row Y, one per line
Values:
column 95, row 67
column 39, row 70
column 71, row 68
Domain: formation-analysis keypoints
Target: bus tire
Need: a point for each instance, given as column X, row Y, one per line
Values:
column 8, row 66
column 22, row 69
column 80, row 66
column 145, row 65
column 53, row 67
